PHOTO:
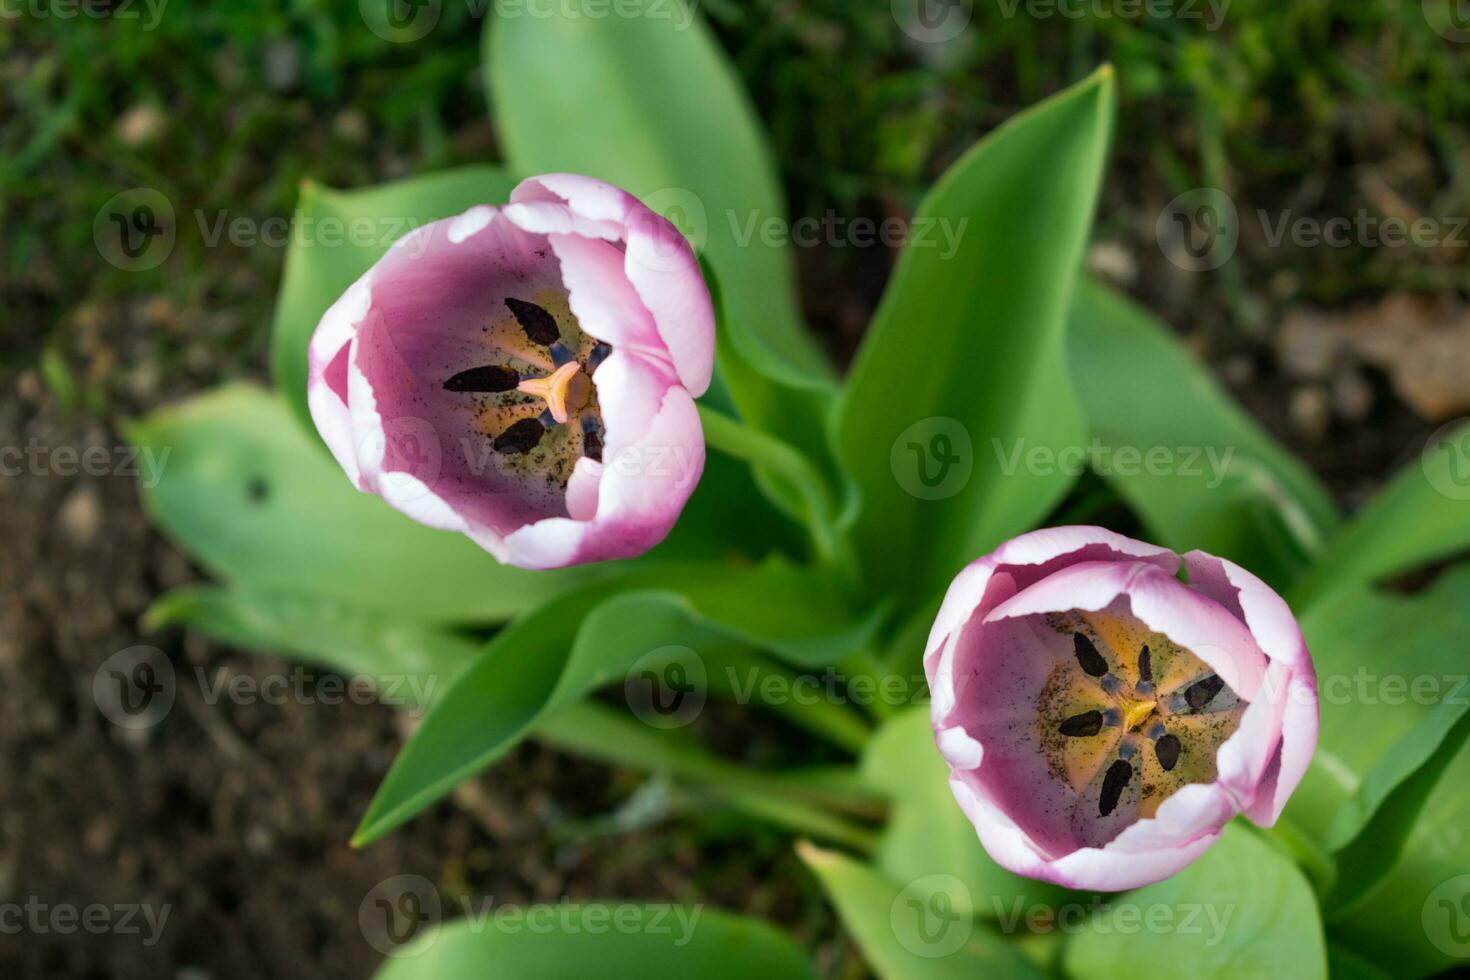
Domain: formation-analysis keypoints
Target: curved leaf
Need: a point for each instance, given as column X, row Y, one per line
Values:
column 620, row 942
column 409, row 661
column 1241, row 910
column 1420, row 518
column 908, row 933
column 965, row 361
column 1391, row 690
column 1415, row 921
column 593, row 637
column 1203, row 474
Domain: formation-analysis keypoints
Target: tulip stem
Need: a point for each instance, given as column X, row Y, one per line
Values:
column 759, row 449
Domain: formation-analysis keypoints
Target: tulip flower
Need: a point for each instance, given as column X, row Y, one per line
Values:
column 1103, row 720
column 525, row 374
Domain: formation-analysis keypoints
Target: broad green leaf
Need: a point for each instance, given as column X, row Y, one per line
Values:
column 1380, row 844
column 647, row 100
column 338, row 235
column 1420, row 518
column 912, row 930
column 620, row 942
column 407, row 662
column 592, row 637
column 249, row 495
column 963, row 371
column 1241, row 910
column 928, row 838
column 1196, row 468
column 1390, row 687
column 1415, row 922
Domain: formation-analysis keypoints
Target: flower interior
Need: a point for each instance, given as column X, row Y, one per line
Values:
column 533, row 396
column 1126, row 718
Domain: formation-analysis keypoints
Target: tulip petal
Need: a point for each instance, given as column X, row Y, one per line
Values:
column 659, row 263
column 1016, row 565
column 1293, row 681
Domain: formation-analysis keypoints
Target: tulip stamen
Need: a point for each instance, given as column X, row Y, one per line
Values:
column 1167, row 749
column 522, row 437
column 540, row 326
column 491, row 378
column 1202, row 692
column 1120, row 774
column 1085, row 725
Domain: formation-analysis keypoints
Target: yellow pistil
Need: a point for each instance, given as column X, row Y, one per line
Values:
column 1135, row 713
column 564, row 391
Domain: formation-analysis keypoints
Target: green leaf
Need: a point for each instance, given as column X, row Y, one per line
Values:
column 1202, row 473
column 647, row 100
column 1241, row 910
column 1387, row 787
column 913, row 931
column 1420, row 518
column 964, row 366
column 1380, row 843
column 338, row 235
column 617, row 941
column 1415, row 921
column 1343, row 964
column 928, row 838
column 407, row 662
column 591, row 638
column 1390, row 693
column 247, row 493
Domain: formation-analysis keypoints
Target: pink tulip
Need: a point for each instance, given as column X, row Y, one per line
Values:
column 525, row 374
column 1102, row 720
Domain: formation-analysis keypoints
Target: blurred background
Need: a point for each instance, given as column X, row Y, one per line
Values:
column 1332, row 305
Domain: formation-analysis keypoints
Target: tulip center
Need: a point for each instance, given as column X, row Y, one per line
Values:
column 1127, row 718
column 532, row 395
